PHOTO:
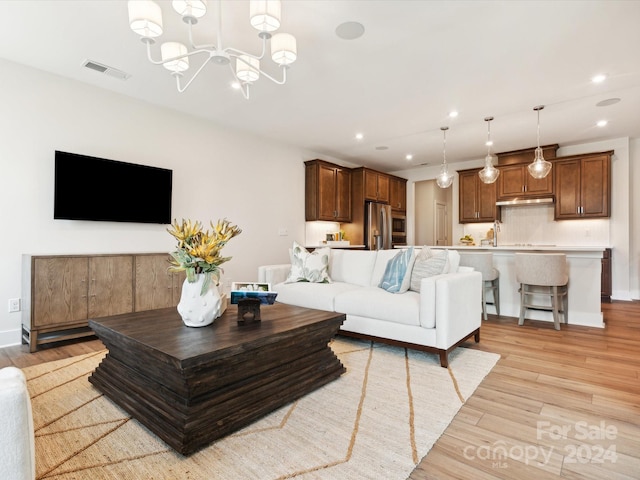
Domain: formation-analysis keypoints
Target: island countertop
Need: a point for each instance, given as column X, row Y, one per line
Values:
column 530, row 247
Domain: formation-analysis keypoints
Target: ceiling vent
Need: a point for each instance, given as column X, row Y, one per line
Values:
column 99, row 67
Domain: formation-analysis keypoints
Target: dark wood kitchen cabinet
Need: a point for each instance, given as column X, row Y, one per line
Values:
column 398, row 194
column 583, row 186
column 515, row 181
column 327, row 192
column 376, row 186
column 477, row 200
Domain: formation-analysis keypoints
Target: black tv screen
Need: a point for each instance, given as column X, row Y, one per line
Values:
column 90, row 188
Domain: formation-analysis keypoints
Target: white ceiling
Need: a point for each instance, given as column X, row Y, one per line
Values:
column 417, row 61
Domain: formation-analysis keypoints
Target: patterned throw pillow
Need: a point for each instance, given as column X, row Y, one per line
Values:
column 309, row 267
column 427, row 264
column 397, row 274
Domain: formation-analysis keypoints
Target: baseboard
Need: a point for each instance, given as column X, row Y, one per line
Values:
column 9, row 338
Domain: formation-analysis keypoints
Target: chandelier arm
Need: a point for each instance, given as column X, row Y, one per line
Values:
column 235, row 52
column 193, row 77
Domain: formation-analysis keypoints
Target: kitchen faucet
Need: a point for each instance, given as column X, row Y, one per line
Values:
column 496, row 229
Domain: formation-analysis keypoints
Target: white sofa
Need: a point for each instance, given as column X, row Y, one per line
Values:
column 446, row 312
column 17, row 451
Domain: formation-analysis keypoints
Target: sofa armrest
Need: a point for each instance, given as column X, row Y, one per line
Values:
column 453, row 303
column 273, row 274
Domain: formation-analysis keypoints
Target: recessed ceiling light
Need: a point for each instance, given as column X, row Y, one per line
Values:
column 602, row 123
column 359, row 136
column 350, row 30
column 599, row 78
column 607, row 102
column 409, row 156
column 453, row 114
column 382, row 147
column 235, row 85
column 488, row 143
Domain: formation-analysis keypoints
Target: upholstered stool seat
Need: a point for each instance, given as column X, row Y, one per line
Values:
column 543, row 274
column 17, row 452
column 483, row 263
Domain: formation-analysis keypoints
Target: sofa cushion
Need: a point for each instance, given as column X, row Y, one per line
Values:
column 309, row 267
column 352, row 266
column 428, row 264
column 311, row 295
column 397, row 273
column 373, row 302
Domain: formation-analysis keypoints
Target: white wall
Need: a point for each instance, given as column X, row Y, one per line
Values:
column 217, row 173
column 536, row 224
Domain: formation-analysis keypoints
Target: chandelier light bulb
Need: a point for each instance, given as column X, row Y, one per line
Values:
column 539, row 168
column 190, row 8
column 247, row 68
column 264, row 15
column 173, row 57
column 284, row 49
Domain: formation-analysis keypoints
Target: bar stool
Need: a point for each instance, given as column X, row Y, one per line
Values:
column 543, row 274
column 483, row 263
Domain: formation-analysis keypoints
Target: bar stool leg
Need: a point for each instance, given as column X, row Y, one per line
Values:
column 496, row 295
column 522, row 297
column 554, row 303
column 484, row 302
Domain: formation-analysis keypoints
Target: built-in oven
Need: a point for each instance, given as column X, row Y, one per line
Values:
column 398, row 229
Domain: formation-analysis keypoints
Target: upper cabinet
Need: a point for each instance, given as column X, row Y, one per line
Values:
column 583, row 186
column 328, row 192
column 477, row 199
column 376, row 186
column 398, row 194
column 516, row 182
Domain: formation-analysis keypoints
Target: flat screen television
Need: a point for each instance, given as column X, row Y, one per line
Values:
column 90, row 188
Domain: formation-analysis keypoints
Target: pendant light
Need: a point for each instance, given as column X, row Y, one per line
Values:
column 444, row 179
column 539, row 168
column 489, row 173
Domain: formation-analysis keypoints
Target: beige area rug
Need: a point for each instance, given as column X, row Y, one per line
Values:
column 375, row 422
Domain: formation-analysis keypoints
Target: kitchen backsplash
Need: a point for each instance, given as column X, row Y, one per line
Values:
column 316, row 232
column 535, row 225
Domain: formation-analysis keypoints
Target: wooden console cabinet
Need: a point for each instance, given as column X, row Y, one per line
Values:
column 61, row 292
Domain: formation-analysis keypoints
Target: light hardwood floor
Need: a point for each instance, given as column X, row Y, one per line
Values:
column 557, row 405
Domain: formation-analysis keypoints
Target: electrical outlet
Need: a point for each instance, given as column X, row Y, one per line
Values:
column 14, row 305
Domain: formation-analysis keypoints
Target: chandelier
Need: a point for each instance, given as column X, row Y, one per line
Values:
column 489, row 173
column 539, row 168
column 145, row 19
column 444, row 178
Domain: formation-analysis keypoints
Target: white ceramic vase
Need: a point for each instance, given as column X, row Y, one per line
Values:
column 195, row 308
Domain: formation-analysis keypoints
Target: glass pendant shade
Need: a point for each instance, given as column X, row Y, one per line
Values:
column 489, row 173
column 445, row 178
column 264, row 15
column 249, row 71
column 170, row 50
column 190, row 8
column 145, row 18
column 284, row 49
column 540, row 168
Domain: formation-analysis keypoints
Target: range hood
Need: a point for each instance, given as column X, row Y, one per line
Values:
column 517, row 202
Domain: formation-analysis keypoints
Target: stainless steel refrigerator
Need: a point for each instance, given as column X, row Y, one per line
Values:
column 377, row 232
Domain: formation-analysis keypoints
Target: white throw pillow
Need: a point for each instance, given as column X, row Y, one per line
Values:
column 309, row 267
column 397, row 274
column 427, row 264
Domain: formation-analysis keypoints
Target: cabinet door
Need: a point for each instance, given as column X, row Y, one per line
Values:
column 486, row 200
column 510, row 182
column 370, row 185
column 59, row 290
column 383, row 188
column 154, row 283
column 467, row 196
column 110, row 285
column 326, row 193
column 343, row 195
column 537, row 186
column 594, row 187
column 398, row 194
column 567, row 180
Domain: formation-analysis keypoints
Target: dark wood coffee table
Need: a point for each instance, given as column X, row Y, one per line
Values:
column 191, row 386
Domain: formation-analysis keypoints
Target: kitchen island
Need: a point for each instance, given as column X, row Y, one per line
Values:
column 585, row 269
